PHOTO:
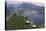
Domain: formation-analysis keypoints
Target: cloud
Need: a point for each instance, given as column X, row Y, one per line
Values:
column 27, row 13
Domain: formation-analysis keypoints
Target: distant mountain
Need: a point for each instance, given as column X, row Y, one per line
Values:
column 29, row 6
column 24, row 6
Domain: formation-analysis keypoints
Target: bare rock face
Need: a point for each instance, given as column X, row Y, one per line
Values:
column 29, row 23
column 17, row 12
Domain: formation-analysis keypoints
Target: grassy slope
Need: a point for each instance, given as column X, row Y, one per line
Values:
column 15, row 22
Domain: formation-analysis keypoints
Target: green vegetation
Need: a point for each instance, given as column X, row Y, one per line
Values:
column 15, row 22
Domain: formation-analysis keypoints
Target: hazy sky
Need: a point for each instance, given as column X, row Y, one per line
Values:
column 28, row 0
column 36, row 2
